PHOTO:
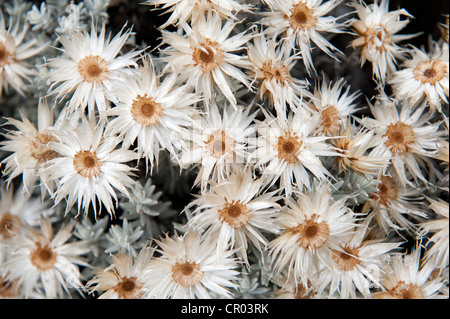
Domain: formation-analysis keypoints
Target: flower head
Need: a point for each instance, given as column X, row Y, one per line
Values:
column 287, row 147
column 30, row 150
column 48, row 259
column 218, row 142
column 271, row 68
column 356, row 265
column 89, row 69
column 190, row 267
column 237, row 211
column 151, row 113
column 333, row 104
column 89, row 166
column 204, row 57
column 14, row 70
column 191, row 10
column 376, row 29
column 301, row 22
column 423, row 77
column 406, row 277
column 312, row 227
column 124, row 278
column 409, row 137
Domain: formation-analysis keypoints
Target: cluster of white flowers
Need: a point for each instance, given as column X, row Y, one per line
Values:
column 232, row 160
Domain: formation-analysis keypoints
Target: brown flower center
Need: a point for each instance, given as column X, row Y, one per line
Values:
column 145, row 110
column 312, row 234
column 219, row 144
column 288, row 147
column 86, row 164
column 330, row 120
column 39, row 149
column 187, row 274
column 275, row 70
column 400, row 137
column 235, row 214
column 93, row 68
column 387, row 190
column 302, row 17
column 5, row 56
column 128, row 288
column 9, row 225
column 431, row 71
column 8, row 289
column 346, row 259
column 43, row 258
column 209, row 55
column 302, row 292
column 404, row 291
column 378, row 37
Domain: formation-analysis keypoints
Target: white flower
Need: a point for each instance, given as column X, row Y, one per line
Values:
column 357, row 266
column 409, row 137
column 48, row 259
column 218, row 143
column 153, row 114
column 286, row 148
column 405, row 277
column 313, row 226
column 124, row 278
column 190, row 267
column 333, row 105
column 191, row 10
column 393, row 204
column 89, row 69
column 18, row 210
column 30, row 150
column 89, row 166
column 356, row 145
column 271, row 68
column 423, row 77
column 238, row 211
column 301, row 21
column 437, row 247
column 204, row 57
column 14, row 70
column 291, row 288
column 376, row 30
